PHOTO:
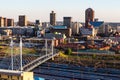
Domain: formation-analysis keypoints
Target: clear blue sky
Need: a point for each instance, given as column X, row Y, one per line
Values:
column 107, row 10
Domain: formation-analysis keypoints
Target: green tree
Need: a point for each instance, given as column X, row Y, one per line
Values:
column 68, row 51
column 94, row 56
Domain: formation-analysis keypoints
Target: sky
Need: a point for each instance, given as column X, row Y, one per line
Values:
column 105, row 10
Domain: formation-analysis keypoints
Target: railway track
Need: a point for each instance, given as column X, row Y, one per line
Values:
column 70, row 73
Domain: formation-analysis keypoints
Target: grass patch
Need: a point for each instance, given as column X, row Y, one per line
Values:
column 16, row 50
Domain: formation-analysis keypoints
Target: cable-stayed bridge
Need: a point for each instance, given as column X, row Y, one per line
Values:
column 27, row 62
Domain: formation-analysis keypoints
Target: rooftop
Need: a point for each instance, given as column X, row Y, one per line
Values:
column 89, row 9
column 97, row 24
column 59, row 27
column 10, row 72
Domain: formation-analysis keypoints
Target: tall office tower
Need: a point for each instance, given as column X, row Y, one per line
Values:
column 22, row 20
column 67, row 21
column 53, row 18
column 89, row 16
column 5, row 22
column 37, row 22
column 1, row 22
column 10, row 22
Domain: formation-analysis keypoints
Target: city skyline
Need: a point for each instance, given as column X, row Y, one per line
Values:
column 106, row 10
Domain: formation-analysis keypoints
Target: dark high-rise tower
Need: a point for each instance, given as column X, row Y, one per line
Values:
column 22, row 20
column 89, row 16
column 5, row 22
column 1, row 22
column 67, row 21
column 10, row 22
column 53, row 18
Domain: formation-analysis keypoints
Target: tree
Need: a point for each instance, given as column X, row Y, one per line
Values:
column 68, row 51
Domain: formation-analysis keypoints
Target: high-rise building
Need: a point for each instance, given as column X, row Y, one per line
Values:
column 76, row 27
column 22, row 20
column 1, row 22
column 108, row 29
column 10, row 22
column 53, row 18
column 5, row 22
column 89, row 16
column 67, row 21
column 37, row 22
column 45, row 25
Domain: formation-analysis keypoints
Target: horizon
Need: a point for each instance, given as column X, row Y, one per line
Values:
column 40, row 10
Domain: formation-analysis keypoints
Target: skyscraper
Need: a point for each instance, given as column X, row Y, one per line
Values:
column 89, row 16
column 53, row 18
column 67, row 21
column 22, row 20
column 5, row 22
column 37, row 22
column 1, row 22
column 10, row 22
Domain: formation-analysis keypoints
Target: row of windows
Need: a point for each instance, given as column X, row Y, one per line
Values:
column 9, row 77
